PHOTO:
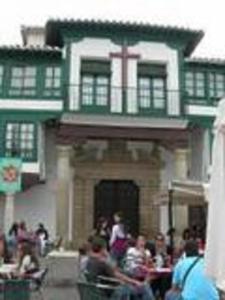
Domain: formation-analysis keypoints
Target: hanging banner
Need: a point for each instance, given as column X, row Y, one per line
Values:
column 10, row 175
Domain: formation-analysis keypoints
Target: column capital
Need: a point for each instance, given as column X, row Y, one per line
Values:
column 64, row 150
column 181, row 151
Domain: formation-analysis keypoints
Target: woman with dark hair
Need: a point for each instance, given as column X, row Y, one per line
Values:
column 28, row 261
column 14, row 229
column 5, row 257
column 22, row 232
column 102, row 230
column 12, row 238
column 118, row 239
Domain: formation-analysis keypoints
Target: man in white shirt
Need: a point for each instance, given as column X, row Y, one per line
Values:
column 137, row 258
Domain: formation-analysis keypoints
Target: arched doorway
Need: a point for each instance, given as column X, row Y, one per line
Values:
column 118, row 195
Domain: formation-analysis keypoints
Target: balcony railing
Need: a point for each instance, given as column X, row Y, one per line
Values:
column 124, row 101
column 31, row 93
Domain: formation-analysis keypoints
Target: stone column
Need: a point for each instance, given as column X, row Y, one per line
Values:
column 181, row 171
column 63, row 192
column 80, row 215
column 181, row 164
column 9, row 212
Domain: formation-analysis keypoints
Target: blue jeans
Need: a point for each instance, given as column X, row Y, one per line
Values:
column 125, row 292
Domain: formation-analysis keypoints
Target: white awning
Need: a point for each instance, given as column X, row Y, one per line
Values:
column 184, row 192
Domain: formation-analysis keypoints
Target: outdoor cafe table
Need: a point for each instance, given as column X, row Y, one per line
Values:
column 6, row 270
column 160, row 272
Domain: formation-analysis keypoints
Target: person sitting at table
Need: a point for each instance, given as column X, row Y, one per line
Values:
column 161, row 255
column 98, row 266
column 28, row 263
column 189, row 278
column 83, row 257
column 5, row 256
column 138, row 259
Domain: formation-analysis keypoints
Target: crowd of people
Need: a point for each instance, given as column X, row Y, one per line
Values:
column 164, row 267
column 23, row 248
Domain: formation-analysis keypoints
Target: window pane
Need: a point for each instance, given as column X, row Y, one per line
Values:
column 145, row 102
column 200, row 76
column 212, row 93
column 219, row 93
column 88, row 80
column 29, row 82
column 17, row 72
column 30, row 72
column 87, row 99
column 48, row 82
column 219, row 78
column 159, row 103
column 57, row 82
column 57, row 72
column 17, row 82
column 158, row 83
column 158, row 93
column 29, row 92
column 189, row 76
column 102, row 80
column 144, row 92
column 200, row 92
column 144, row 82
column 103, row 90
column 101, row 100
column 49, row 72
column 219, row 85
column 200, row 84
column 87, row 89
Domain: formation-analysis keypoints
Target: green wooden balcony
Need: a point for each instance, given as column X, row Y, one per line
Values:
column 31, row 93
column 130, row 101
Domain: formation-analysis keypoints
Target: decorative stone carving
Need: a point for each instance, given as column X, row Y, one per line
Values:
column 116, row 151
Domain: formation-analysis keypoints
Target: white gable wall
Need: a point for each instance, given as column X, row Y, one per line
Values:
column 162, row 54
column 97, row 48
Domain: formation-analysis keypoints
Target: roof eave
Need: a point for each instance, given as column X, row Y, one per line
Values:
column 191, row 37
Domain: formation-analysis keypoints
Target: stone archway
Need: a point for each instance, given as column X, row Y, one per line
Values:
column 146, row 177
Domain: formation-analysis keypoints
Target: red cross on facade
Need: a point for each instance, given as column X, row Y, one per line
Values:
column 124, row 55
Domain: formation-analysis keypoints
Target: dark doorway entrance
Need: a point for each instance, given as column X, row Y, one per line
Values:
column 118, row 195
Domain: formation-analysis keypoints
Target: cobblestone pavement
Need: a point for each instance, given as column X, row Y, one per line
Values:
column 60, row 293
column 61, row 279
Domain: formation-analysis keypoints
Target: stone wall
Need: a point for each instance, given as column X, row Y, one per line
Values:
column 145, row 174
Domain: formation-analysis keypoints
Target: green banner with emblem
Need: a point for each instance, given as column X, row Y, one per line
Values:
column 10, row 175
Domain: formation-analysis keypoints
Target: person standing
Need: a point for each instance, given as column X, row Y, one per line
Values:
column 12, row 238
column 103, row 230
column 22, row 232
column 118, row 239
column 43, row 236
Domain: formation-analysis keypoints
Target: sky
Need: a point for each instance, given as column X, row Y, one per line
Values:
column 208, row 15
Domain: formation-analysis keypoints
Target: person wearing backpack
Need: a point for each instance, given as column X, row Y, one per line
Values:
column 189, row 279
